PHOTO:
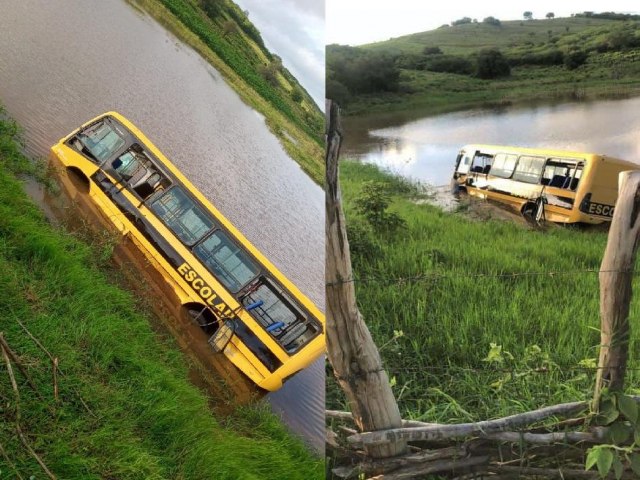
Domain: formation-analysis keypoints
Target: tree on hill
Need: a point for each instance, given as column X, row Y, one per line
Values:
column 528, row 15
column 492, row 64
column 492, row 21
column 461, row 21
column 550, row 15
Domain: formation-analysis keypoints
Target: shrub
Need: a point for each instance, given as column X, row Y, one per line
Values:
column 432, row 51
column 574, row 59
column 372, row 203
column 490, row 63
column 450, row 64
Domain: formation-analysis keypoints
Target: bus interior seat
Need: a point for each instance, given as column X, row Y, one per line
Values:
column 558, row 181
column 574, row 183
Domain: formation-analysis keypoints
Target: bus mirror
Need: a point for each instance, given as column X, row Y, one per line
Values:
column 222, row 337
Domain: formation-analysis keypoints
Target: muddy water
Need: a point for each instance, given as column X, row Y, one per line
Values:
column 61, row 63
column 425, row 148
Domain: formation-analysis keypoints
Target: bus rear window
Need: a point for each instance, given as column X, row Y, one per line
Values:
column 226, row 261
column 275, row 312
column 101, row 141
column 182, row 215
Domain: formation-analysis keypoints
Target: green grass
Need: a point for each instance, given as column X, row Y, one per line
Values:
column 448, row 321
column 612, row 74
column 148, row 421
column 298, row 125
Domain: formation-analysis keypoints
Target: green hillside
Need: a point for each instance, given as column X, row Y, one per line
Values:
column 225, row 37
column 468, row 38
column 489, row 63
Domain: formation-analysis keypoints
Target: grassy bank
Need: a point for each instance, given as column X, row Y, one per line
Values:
column 436, row 333
column 125, row 407
column 241, row 57
column 538, row 52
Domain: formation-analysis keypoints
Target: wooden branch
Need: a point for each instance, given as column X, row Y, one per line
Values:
column 350, row 349
column 348, row 416
column 597, row 436
column 378, row 466
column 54, row 360
column 10, row 463
column 562, row 473
column 442, row 432
column 14, row 358
column 442, row 466
column 21, row 435
column 55, row 378
column 616, row 275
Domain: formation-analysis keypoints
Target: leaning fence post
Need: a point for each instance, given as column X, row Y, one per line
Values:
column 352, row 353
column 616, row 275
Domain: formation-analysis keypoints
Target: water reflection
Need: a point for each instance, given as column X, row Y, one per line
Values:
column 425, row 148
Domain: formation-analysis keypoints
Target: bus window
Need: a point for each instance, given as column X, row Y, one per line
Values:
column 503, row 165
column 464, row 162
column 481, row 163
column 100, row 141
column 560, row 173
column 529, row 169
column 275, row 311
column 226, row 261
column 182, row 215
column 136, row 170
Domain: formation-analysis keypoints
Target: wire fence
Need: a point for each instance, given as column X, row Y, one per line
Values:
column 443, row 276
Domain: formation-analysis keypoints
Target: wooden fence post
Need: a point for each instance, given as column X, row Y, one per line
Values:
column 352, row 353
column 616, row 275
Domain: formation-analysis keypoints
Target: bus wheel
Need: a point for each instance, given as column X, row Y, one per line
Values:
column 529, row 211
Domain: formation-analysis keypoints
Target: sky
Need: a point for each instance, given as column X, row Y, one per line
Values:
column 294, row 30
column 355, row 22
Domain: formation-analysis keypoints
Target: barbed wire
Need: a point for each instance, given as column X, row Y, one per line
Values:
column 440, row 276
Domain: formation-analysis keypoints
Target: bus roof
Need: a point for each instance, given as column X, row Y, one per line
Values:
column 548, row 152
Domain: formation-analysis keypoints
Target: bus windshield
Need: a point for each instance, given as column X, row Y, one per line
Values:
column 101, row 141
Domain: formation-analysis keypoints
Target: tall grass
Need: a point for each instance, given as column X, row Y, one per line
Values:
column 436, row 333
column 143, row 418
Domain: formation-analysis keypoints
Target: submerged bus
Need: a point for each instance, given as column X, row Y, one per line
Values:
column 558, row 186
column 246, row 308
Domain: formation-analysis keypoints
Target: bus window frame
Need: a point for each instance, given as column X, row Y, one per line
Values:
column 539, row 177
column 515, row 165
column 300, row 313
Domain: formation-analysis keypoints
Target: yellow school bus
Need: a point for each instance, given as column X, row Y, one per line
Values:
column 249, row 311
column 555, row 185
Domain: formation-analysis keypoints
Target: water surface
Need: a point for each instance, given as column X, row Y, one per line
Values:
column 425, row 147
column 62, row 63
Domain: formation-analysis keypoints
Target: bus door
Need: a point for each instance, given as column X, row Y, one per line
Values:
column 480, row 166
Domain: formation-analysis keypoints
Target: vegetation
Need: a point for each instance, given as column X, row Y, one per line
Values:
column 549, row 59
column 226, row 38
column 126, row 408
column 462, row 338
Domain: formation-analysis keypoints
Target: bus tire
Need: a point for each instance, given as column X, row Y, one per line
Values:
column 529, row 210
